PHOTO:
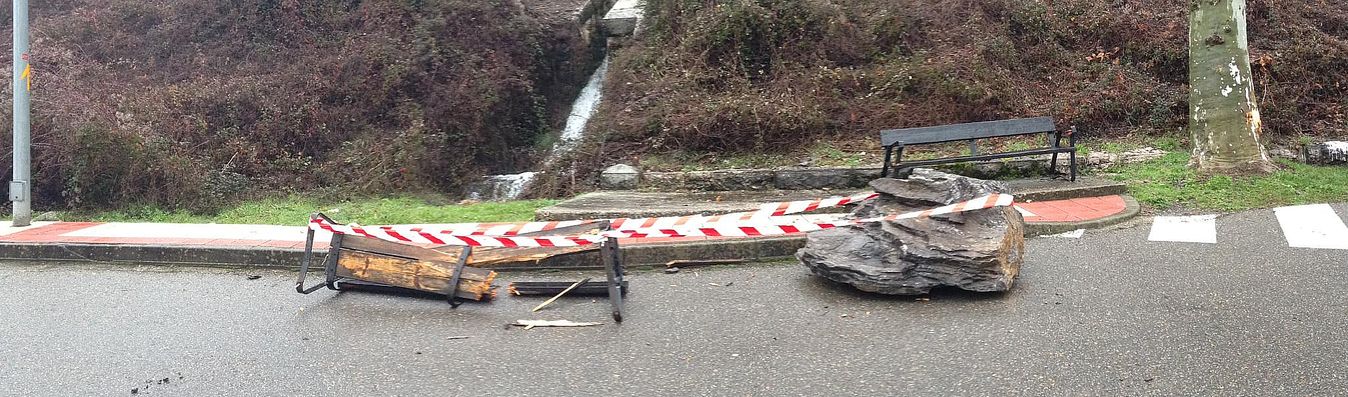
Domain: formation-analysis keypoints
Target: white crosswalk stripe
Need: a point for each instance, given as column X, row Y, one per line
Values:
column 1312, row 226
column 1184, row 229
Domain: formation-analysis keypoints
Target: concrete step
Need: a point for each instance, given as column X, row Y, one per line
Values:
column 636, row 204
column 1049, row 189
column 630, row 204
column 1037, row 188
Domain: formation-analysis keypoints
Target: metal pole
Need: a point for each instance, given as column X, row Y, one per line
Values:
column 20, row 189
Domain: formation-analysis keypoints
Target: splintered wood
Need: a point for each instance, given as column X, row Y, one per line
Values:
column 421, row 275
column 481, row 257
column 530, row 324
column 553, row 287
column 411, row 267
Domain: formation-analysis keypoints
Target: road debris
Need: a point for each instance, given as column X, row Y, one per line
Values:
column 672, row 270
column 530, row 324
column 559, row 294
column 521, row 288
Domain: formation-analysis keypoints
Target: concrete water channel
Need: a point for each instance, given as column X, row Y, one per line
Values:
column 621, row 18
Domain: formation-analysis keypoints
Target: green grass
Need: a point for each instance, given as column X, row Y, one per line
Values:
column 1169, row 182
column 827, row 155
column 295, row 210
column 820, row 155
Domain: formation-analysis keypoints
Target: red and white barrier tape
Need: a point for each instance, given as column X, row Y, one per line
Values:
column 769, row 226
column 507, row 229
column 765, row 211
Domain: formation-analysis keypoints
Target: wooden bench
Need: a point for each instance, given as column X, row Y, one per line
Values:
column 896, row 140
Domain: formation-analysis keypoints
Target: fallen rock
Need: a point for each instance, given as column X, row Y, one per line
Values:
column 1328, row 153
column 620, row 177
column 725, row 180
column 1106, row 160
column 980, row 250
column 1283, row 153
column 822, row 178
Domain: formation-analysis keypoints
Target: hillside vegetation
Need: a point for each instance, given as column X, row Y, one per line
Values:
column 777, row 75
column 195, row 103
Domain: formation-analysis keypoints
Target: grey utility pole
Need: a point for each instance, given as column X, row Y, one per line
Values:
column 21, row 189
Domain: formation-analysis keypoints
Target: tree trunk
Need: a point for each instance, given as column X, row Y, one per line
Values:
column 1224, row 117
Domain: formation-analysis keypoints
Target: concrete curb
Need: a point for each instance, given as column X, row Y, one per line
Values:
column 153, row 254
column 657, row 255
column 1071, row 192
column 646, row 255
column 1131, row 209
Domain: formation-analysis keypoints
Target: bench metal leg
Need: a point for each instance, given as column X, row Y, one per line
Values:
column 898, row 159
column 1074, row 165
column 1072, row 141
column 893, row 157
column 453, row 293
column 304, row 266
column 889, row 154
column 329, row 262
column 613, row 265
column 1056, row 138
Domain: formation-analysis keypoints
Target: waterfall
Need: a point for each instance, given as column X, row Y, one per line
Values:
column 581, row 111
column 511, row 186
column 502, row 187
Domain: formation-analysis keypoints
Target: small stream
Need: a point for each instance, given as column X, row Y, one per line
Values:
column 511, row 186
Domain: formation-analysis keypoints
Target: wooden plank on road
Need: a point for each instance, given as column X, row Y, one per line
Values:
column 421, row 275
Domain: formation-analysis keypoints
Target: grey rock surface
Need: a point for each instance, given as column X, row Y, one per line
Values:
column 824, row 178
column 1332, row 152
column 980, row 250
column 1106, row 160
column 620, row 177
column 49, row 216
column 726, row 180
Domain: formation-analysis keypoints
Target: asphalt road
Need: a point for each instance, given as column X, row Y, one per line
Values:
column 1108, row 314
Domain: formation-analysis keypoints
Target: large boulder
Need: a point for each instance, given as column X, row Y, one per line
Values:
column 1328, row 153
column 979, row 250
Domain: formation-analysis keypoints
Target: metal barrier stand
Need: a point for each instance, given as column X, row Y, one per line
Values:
column 343, row 284
column 613, row 265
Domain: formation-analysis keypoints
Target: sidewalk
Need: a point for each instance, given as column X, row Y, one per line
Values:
column 282, row 246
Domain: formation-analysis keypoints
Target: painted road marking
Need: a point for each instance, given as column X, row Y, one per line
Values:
column 1312, row 226
column 1024, row 212
column 6, row 229
column 1072, row 234
column 1184, row 229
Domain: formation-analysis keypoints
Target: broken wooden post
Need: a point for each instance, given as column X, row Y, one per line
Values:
column 355, row 261
column 421, row 275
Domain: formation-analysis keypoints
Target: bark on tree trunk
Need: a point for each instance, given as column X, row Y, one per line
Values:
column 1224, row 116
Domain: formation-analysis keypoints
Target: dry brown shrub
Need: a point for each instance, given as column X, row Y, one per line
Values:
column 752, row 75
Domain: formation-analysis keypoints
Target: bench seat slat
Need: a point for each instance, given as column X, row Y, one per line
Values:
column 962, row 132
column 994, row 156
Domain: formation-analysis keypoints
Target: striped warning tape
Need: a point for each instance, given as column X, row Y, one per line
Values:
column 507, row 229
column 769, row 226
column 764, row 211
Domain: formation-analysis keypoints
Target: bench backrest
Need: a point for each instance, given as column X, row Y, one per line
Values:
column 964, row 132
